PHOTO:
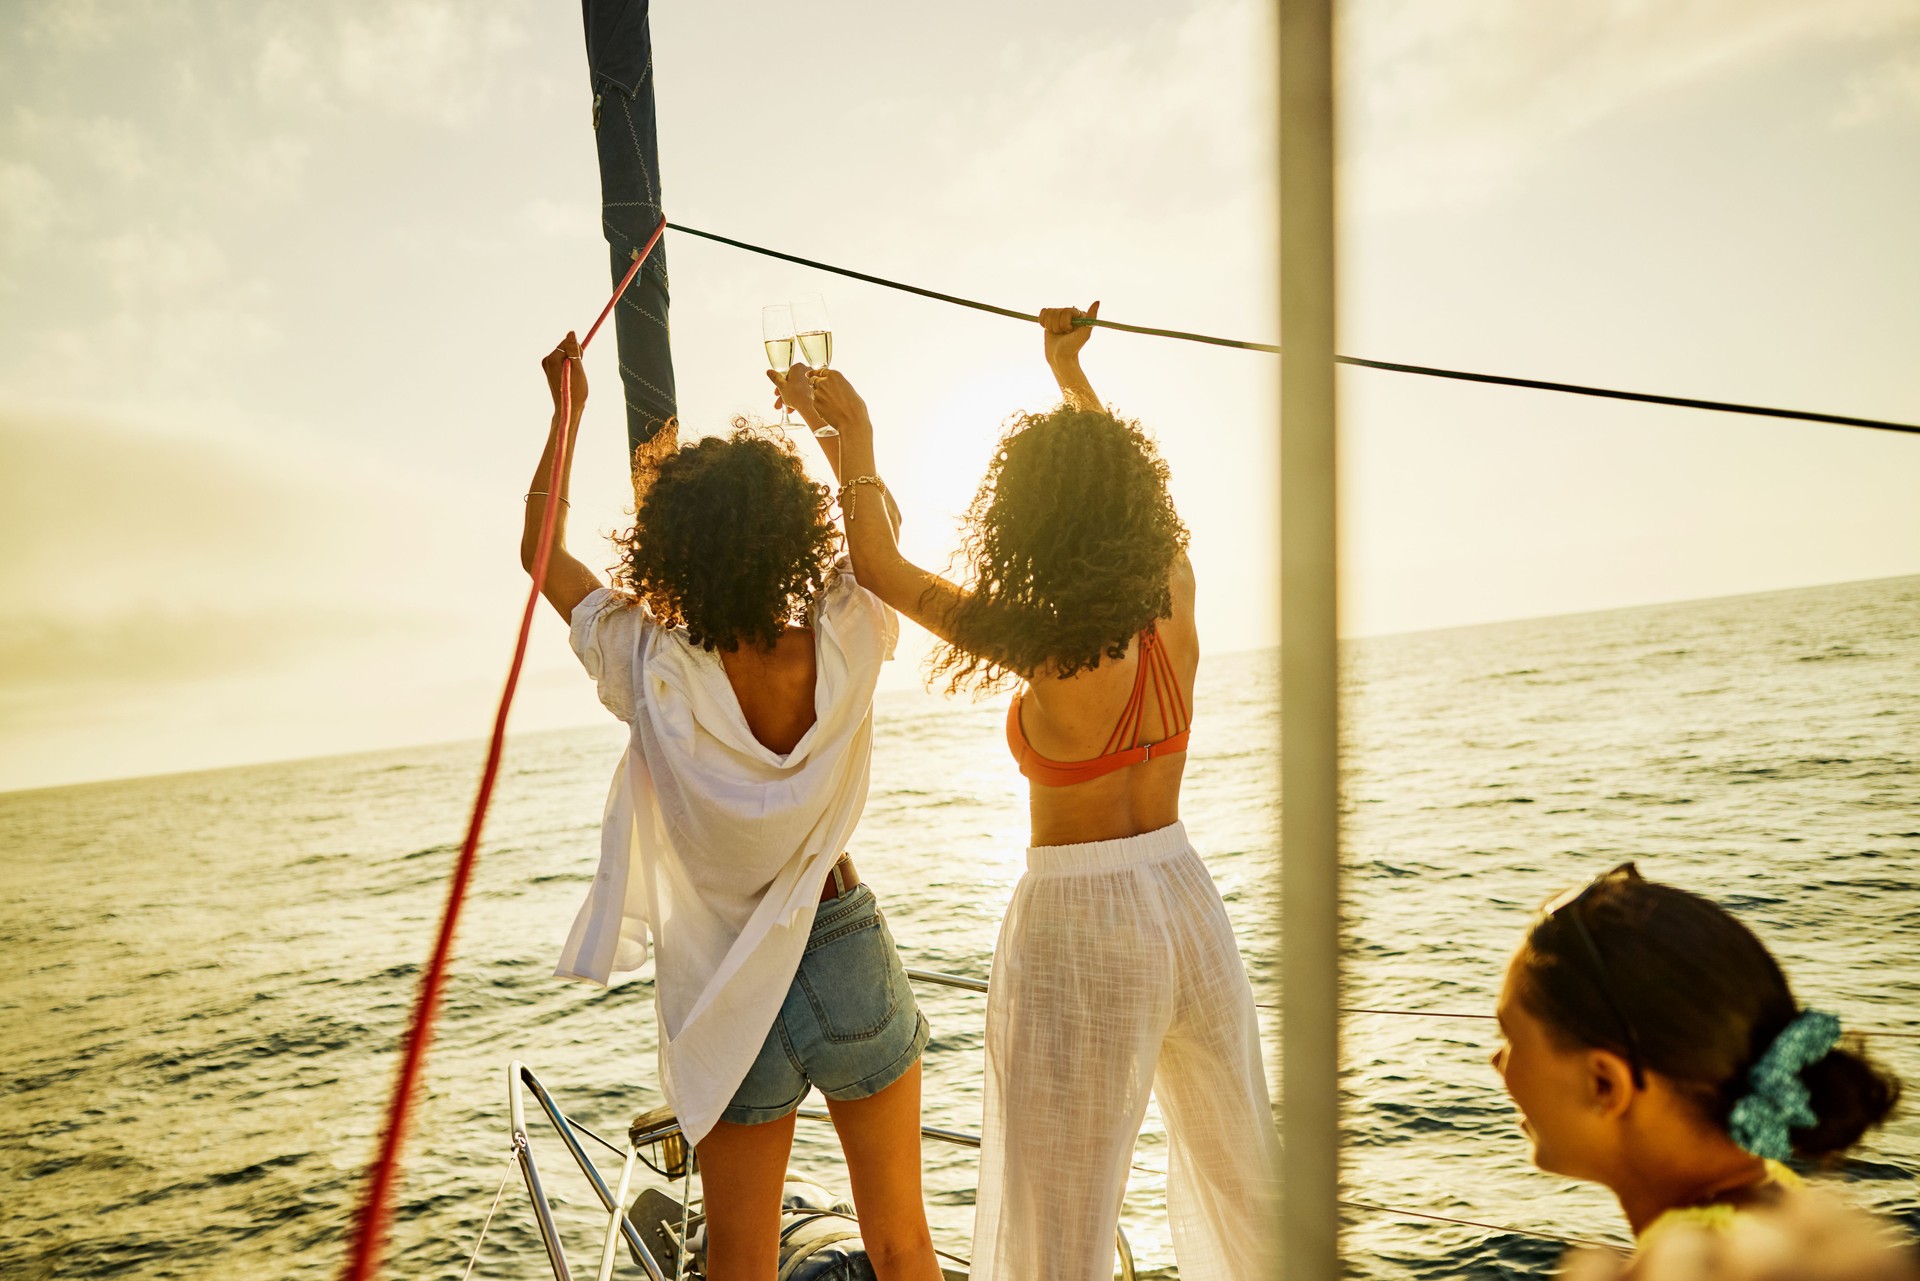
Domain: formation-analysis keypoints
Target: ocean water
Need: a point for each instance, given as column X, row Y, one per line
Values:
column 207, row 974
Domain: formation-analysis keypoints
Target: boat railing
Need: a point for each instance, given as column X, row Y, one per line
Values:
column 521, row 1080
column 520, row 1075
column 939, row 979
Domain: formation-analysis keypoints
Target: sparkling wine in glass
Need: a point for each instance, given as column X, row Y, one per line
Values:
column 815, row 337
column 776, row 333
column 817, row 347
column 814, row 333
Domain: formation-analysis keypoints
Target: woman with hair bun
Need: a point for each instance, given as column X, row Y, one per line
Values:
column 1116, row 973
column 1653, row 1046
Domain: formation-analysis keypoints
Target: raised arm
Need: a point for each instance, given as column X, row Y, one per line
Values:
column 794, row 390
column 924, row 596
column 1063, row 343
column 568, row 581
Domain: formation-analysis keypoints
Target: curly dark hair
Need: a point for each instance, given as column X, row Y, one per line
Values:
column 1067, row 548
column 731, row 539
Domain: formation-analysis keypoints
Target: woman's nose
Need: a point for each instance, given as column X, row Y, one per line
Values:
column 1499, row 1060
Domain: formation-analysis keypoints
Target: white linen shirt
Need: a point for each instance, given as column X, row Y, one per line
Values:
column 713, row 844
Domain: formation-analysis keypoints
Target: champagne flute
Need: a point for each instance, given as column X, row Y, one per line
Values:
column 776, row 333
column 815, row 335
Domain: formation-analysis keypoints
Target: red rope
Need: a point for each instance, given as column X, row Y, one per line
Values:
column 370, row 1232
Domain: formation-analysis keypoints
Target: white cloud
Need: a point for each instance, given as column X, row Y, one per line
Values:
column 28, row 205
column 272, row 169
column 1195, row 102
column 109, row 145
column 1446, row 101
column 284, row 72
column 151, row 263
column 164, row 319
column 69, row 24
column 1889, row 91
column 429, row 60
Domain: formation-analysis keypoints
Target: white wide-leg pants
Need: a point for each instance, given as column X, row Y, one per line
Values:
column 1117, row 974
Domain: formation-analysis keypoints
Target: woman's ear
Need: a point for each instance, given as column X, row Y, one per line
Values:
column 1610, row 1087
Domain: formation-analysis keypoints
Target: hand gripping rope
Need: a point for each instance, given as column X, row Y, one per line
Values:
column 370, row 1229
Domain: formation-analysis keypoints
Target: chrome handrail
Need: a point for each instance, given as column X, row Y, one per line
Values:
column 948, row 980
column 519, row 1074
column 530, row 1172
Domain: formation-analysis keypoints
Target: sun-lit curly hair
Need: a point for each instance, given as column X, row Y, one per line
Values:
column 731, row 538
column 1067, row 548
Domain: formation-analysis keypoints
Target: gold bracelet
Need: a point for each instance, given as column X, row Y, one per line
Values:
column 849, row 492
column 541, row 493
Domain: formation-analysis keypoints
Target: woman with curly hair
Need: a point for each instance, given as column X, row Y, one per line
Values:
column 1116, row 973
column 1653, row 1045
column 744, row 658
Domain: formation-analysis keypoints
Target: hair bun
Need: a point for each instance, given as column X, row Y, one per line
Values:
column 1849, row 1094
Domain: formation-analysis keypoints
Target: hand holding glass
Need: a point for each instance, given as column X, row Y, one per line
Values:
column 776, row 333
column 814, row 333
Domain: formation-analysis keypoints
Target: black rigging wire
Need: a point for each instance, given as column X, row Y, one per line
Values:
column 1473, row 1223
column 1429, row 371
column 1456, row 1014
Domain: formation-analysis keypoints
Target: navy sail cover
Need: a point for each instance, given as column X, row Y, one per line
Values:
column 620, row 63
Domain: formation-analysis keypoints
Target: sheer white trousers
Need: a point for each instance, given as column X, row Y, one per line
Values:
column 1117, row 974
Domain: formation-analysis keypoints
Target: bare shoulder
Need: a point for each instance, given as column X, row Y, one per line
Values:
column 1180, row 582
column 1180, row 578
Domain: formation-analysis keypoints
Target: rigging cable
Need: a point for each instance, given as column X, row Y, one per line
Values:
column 1470, row 1223
column 1428, row 371
column 1455, row 1014
column 370, row 1228
column 513, row 1154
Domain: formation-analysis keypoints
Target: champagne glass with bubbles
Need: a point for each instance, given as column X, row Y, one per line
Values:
column 776, row 332
column 815, row 335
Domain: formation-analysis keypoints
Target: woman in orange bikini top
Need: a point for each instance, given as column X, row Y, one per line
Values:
column 1080, row 590
column 1116, row 970
column 1154, row 671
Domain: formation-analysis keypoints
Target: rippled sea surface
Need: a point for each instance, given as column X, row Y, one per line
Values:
column 207, row 974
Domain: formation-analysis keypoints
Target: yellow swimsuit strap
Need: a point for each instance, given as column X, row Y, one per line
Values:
column 1720, row 1216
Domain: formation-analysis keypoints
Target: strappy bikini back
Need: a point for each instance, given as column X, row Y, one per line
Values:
column 1154, row 668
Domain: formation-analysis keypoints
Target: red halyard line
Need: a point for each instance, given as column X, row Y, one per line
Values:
column 370, row 1233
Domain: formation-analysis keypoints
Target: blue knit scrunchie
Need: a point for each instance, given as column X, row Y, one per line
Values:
column 1777, row 1099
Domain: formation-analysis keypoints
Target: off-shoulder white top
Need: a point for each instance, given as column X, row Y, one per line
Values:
column 713, row 845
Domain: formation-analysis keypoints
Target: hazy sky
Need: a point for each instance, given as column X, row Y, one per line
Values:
column 274, row 279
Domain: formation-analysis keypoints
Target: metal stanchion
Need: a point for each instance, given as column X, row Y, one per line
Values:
column 1309, row 674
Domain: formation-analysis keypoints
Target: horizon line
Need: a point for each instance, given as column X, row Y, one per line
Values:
column 925, row 691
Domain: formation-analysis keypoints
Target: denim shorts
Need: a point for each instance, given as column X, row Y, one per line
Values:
column 849, row 1025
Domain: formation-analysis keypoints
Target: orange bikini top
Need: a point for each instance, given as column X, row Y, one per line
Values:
column 1121, row 750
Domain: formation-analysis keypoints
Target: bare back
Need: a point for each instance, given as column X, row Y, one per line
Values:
column 1071, row 719
column 775, row 688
